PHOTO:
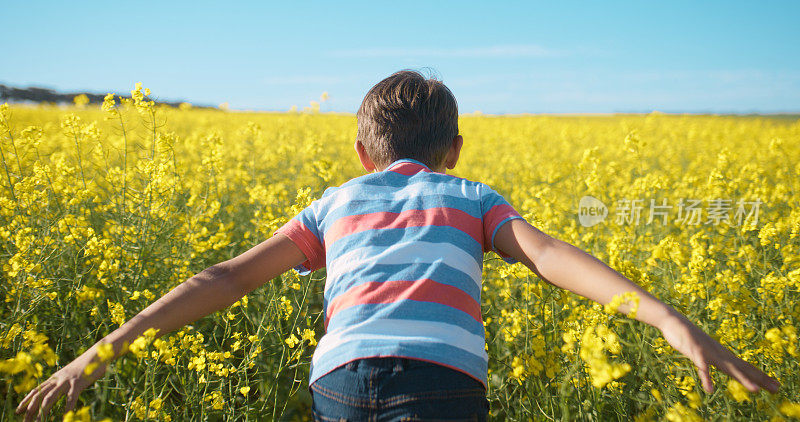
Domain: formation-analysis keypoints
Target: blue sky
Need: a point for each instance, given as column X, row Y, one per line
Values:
column 496, row 57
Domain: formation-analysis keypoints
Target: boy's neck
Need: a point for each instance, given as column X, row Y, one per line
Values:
column 440, row 169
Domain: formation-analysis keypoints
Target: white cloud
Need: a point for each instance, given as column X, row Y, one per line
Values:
column 496, row 51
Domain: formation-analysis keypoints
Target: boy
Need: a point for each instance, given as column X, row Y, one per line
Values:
column 403, row 248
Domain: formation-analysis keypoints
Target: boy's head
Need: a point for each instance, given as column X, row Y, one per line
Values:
column 408, row 116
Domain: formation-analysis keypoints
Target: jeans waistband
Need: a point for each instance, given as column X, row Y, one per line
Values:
column 389, row 362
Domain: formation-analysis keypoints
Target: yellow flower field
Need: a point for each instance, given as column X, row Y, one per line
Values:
column 105, row 209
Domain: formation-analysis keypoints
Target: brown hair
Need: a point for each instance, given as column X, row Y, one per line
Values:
column 408, row 116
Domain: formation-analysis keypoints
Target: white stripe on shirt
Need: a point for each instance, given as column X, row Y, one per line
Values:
column 404, row 253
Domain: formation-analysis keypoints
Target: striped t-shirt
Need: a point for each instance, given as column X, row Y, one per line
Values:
column 403, row 249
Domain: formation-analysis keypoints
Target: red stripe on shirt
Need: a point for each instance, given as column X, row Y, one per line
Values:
column 306, row 241
column 440, row 216
column 491, row 219
column 407, row 169
column 424, row 290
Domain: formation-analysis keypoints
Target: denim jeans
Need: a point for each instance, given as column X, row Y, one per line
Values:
column 397, row 389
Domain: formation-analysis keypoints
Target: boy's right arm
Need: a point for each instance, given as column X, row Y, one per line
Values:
column 211, row 290
column 565, row 266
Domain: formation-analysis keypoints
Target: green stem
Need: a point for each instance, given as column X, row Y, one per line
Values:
column 146, row 225
column 8, row 174
column 124, row 180
column 80, row 158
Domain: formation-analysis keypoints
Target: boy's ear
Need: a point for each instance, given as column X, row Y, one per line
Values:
column 455, row 150
column 367, row 162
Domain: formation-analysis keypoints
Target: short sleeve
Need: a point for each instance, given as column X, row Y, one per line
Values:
column 303, row 230
column 496, row 211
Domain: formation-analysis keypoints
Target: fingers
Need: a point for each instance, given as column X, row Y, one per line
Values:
column 72, row 397
column 762, row 378
column 771, row 384
column 29, row 396
column 758, row 377
column 748, row 375
column 51, row 398
column 730, row 366
column 705, row 378
column 33, row 404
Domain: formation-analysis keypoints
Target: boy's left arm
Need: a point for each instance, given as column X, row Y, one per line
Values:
column 565, row 266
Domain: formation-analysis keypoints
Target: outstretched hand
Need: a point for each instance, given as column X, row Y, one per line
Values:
column 704, row 351
column 69, row 379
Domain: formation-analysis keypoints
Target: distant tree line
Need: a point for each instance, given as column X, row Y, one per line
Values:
column 41, row 95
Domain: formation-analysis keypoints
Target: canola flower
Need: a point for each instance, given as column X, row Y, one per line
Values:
column 104, row 208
